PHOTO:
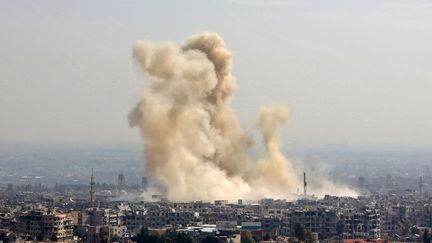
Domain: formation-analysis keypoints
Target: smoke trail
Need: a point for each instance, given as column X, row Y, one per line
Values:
column 193, row 142
column 275, row 170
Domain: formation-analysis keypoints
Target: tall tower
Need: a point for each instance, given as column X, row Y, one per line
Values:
column 421, row 186
column 92, row 187
column 121, row 182
column 304, row 184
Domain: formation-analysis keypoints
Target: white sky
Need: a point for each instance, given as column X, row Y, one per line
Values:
column 355, row 72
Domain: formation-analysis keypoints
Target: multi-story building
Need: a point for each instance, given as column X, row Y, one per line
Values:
column 362, row 223
column 156, row 218
column 318, row 220
column 46, row 225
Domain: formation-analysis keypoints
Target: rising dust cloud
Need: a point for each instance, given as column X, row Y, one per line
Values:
column 194, row 144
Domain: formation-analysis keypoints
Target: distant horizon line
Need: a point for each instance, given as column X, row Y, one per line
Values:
column 330, row 147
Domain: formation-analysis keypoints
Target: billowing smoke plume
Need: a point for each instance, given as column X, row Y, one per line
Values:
column 194, row 144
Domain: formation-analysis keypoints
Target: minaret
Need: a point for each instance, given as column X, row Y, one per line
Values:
column 92, row 187
column 304, row 184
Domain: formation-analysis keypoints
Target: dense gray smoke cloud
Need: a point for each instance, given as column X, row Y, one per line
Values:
column 194, row 144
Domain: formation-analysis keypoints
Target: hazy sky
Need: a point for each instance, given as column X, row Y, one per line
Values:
column 355, row 72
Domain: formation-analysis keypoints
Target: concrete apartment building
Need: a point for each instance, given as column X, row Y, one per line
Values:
column 319, row 220
column 156, row 218
column 46, row 225
column 362, row 223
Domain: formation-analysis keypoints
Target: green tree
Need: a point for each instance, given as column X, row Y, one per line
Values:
column 144, row 236
column 171, row 237
column 182, row 238
column 163, row 239
column 267, row 236
column 247, row 238
column 415, row 230
column 3, row 237
column 405, row 227
column 302, row 233
column 426, row 238
column 39, row 237
column 340, row 227
column 299, row 231
column 210, row 239
column 53, row 237
column 115, row 238
column 309, row 238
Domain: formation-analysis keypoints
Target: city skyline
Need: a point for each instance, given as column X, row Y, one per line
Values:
column 218, row 121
